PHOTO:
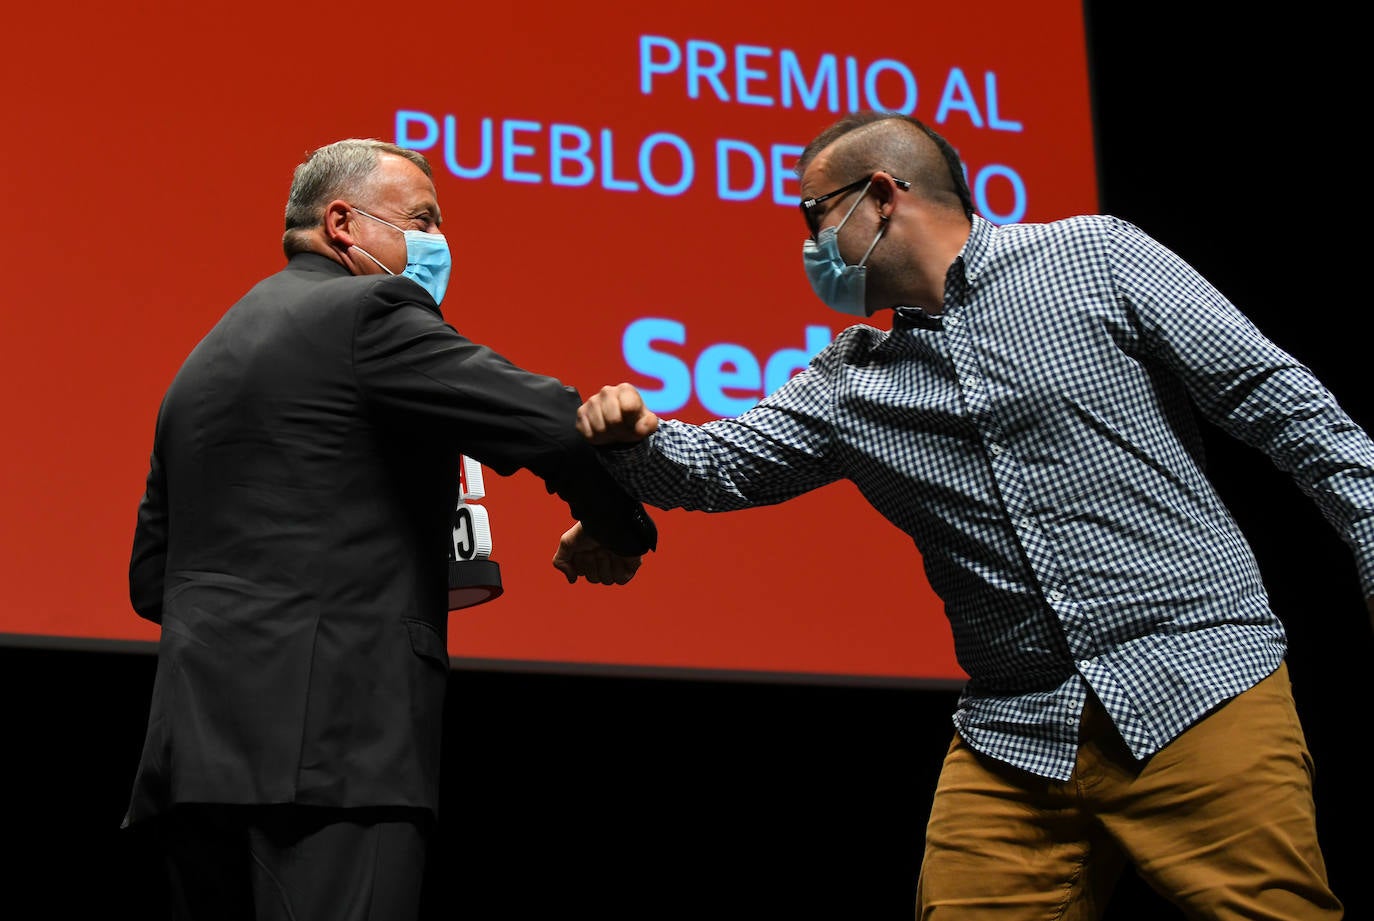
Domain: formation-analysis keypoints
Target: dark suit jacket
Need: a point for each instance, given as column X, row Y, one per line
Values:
column 292, row 541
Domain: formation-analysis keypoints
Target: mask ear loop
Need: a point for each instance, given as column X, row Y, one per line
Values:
column 365, row 252
column 373, row 258
column 845, row 220
column 882, row 227
column 847, row 215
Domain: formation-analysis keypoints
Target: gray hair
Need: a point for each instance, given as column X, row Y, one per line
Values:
column 338, row 170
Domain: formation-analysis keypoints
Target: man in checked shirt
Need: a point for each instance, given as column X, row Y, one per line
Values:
column 1027, row 421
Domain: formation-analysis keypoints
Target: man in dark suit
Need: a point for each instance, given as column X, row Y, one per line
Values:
column 291, row 543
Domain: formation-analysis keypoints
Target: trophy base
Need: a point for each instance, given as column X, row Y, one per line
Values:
column 473, row 582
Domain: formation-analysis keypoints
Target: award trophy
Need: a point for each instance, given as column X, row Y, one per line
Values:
column 473, row 578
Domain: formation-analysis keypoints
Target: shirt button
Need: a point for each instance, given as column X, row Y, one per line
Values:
column 951, row 321
column 1056, row 596
column 1026, row 522
column 969, row 383
column 995, row 449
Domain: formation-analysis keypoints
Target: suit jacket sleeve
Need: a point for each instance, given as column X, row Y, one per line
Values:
column 411, row 364
column 148, row 563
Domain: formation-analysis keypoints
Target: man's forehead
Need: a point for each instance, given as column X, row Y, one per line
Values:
column 401, row 169
column 816, row 178
column 403, row 179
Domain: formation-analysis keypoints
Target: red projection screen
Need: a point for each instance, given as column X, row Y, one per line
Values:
column 617, row 190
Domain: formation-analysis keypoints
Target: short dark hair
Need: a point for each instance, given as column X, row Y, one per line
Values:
column 893, row 150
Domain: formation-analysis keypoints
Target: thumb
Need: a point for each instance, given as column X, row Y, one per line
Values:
column 646, row 424
column 567, row 569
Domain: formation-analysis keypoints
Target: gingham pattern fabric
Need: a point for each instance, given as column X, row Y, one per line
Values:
column 1037, row 442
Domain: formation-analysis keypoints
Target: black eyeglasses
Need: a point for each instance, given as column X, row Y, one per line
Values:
column 807, row 204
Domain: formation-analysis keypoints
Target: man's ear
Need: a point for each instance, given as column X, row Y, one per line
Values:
column 338, row 224
column 883, row 189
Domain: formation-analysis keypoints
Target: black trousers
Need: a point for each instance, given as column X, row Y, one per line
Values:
column 293, row 863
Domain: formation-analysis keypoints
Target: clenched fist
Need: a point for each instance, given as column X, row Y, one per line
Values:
column 616, row 415
column 579, row 554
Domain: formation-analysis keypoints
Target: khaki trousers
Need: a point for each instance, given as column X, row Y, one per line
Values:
column 1221, row 823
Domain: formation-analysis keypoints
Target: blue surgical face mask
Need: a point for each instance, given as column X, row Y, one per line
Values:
column 428, row 262
column 836, row 282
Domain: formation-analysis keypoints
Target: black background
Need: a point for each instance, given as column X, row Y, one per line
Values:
column 1232, row 138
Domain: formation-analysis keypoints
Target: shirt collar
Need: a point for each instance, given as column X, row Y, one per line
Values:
column 959, row 278
column 977, row 249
